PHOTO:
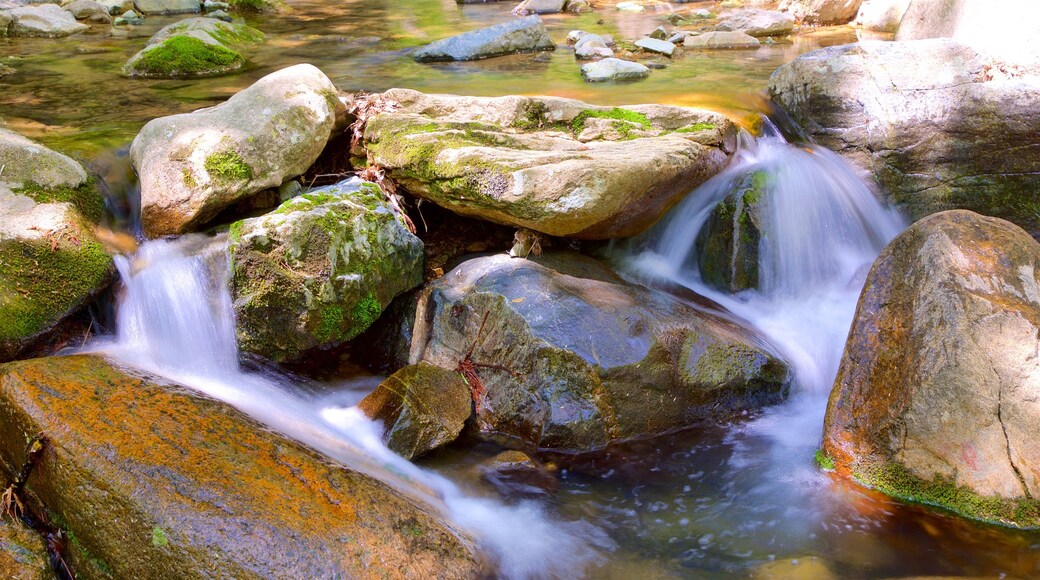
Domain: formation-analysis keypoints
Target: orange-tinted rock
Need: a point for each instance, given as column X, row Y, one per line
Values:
column 152, row 480
column 22, row 553
column 937, row 399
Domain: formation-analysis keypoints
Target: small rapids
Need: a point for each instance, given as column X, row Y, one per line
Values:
column 175, row 319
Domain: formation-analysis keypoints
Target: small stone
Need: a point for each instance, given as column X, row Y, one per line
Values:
column 578, row 6
column 219, row 15
column 653, row 45
column 712, row 40
column 592, row 46
column 679, row 36
column 575, row 35
column 211, row 6
column 516, row 473
column 659, row 33
column 614, row 69
column 289, row 190
column 6, row 70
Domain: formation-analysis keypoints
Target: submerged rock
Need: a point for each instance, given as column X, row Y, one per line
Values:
column 517, row 473
column 47, row 20
column 614, row 69
column 421, row 406
column 196, row 47
column 825, row 12
column 23, row 555
column 755, row 22
column 51, row 264
column 710, row 40
column 320, row 269
column 152, row 479
column 935, row 123
column 530, row 162
column 571, row 358
column 936, row 397
column 727, row 245
column 194, row 165
column 659, row 46
column 520, row 35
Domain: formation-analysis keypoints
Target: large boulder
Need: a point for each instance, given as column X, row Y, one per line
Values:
column 153, row 480
column 822, row 11
column 23, row 555
column 88, row 10
column 614, row 69
column 756, row 22
column 320, row 269
column 935, row 123
column 881, row 15
column 557, row 166
column 526, row 34
column 937, row 399
column 1006, row 32
column 727, row 244
column 193, row 166
column 51, row 264
column 168, row 6
column 192, row 48
column 561, row 354
column 48, row 20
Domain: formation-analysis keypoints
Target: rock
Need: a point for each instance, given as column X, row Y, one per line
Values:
column 727, row 245
column 422, row 407
column 150, row 7
column 193, row 48
column 1006, row 33
column 571, row 358
column 755, row 22
column 219, row 15
column 881, row 15
column 150, row 477
column 659, row 46
column 212, row 6
column 659, row 33
column 679, row 36
column 88, row 10
column 116, row 6
column 521, row 35
column 517, row 473
column 530, row 162
column 23, row 555
column 47, row 20
column 51, row 264
column 715, row 40
column 6, row 70
column 925, row 122
column 936, row 399
column 613, row 69
column 540, row 7
column 630, row 7
column 5, row 22
column 822, row 12
column 579, row 6
column 320, row 269
column 194, row 165
column 590, row 46
column 132, row 18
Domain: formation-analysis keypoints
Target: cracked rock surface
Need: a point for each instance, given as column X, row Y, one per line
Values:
column 937, row 398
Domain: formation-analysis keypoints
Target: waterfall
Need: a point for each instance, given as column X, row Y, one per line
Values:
column 175, row 319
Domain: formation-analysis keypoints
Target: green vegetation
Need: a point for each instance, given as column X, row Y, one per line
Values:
column 159, row 539
column 228, row 166
column 897, row 481
column 185, row 56
column 366, row 312
column 189, row 178
column 330, row 323
column 823, row 461
column 86, row 198
column 578, row 124
column 696, row 127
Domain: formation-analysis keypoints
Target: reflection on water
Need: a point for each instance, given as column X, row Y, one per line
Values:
column 68, row 92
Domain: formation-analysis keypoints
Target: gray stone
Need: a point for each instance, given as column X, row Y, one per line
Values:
column 710, row 40
column 653, row 45
column 659, row 33
column 679, row 36
column 521, row 35
column 757, row 23
column 87, row 9
column 822, row 12
column 150, row 7
column 540, row 7
column 212, row 6
column 219, row 15
column 935, row 123
column 47, row 20
column 582, row 358
column 223, row 41
column 194, row 165
column 591, row 46
column 1006, row 33
column 614, row 69
column 881, row 15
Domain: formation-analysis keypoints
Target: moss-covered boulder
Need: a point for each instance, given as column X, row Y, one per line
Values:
column 23, row 555
column 553, row 165
column 151, row 480
column 51, row 264
column 727, row 245
column 936, row 399
column 421, row 406
column 937, row 124
column 192, row 48
column 193, row 166
column 320, row 269
column 562, row 354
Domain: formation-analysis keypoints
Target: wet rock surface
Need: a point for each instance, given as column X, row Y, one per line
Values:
column 521, row 35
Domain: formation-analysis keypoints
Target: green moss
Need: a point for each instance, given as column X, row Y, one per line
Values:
column 254, row 5
column 229, row 35
column 228, row 166
column 696, row 127
column 895, row 480
column 823, row 461
column 159, row 539
column 533, row 116
column 618, row 114
column 366, row 312
column 330, row 323
column 87, row 198
column 186, row 56
column 39, row 285
column 189, row 178
column 235, row 232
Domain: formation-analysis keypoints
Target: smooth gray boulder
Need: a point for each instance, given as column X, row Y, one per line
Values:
column 756, row 22
column 1006, row 33
column 720, row 40
column 935, row 123
column 614, row 69
column 88, row 10
column 194, row 165
column 821, row 12
column 881, row 15
column 656, row 45
column 589, row 46
column 48, row 20
column 150, row 7
column 526, row 34
column 540, row 7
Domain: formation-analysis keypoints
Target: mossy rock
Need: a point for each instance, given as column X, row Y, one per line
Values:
column 23, row 555
column 320, row 269
column 184, row 57
column 149, row 479
column 727, row 245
